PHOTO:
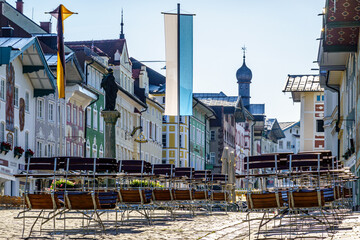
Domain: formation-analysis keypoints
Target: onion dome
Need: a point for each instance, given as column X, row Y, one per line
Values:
column 244, row 74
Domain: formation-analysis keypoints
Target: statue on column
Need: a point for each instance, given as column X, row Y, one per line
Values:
column 111, row 88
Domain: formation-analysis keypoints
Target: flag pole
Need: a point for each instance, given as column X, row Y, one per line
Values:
column 178, row 77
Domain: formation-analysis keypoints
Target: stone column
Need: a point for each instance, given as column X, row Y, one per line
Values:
column 110, row 118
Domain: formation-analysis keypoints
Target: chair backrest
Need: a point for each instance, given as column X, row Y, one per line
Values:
column 219, row 196
column 218, row 177
column 44, row 163
column 108, row 200
column 132, row 196
column 81, row 200
column 184, row 172
column 306, row 199
column 305, row 160
column 134, row 166
column 163, row 169
column 262, row 161
column 42, row 201
column 199, row 195
column 201, row 174
column 264, row 200
column 163, row 194
column 182, row 194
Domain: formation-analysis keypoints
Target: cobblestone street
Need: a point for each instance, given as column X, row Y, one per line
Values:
column 215, row 227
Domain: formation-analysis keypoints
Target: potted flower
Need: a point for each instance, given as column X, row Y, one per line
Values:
column 5, row 147
column 61, row 183
column 29, row 153
column 18, row 151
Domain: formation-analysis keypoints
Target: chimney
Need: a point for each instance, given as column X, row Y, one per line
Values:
column 46, row 26
column 19, row 6
column 7, row 31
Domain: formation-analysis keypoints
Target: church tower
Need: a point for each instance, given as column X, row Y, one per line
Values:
column 244, row 76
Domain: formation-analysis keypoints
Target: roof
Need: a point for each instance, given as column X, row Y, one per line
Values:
column 108, row 47
column 296, row 84
column 33, row 61
column 273, row 130
column 20, row 19
column 155, row 78
column 286, row 125
column 210, row 112
column 218, row 96
column 74, row 72
column 217, row 102
column 303, row 83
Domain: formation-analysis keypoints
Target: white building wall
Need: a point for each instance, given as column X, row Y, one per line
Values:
column 23, row 83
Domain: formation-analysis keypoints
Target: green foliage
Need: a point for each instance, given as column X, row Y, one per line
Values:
column 143, row 183
column 61, row 184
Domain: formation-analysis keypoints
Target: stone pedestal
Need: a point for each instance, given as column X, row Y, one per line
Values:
column 110, row 118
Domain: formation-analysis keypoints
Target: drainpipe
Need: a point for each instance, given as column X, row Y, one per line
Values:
column 337, row 128
column 85, row 111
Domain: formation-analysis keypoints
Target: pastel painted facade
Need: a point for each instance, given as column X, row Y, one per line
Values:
column 199, row 153
column 94, row 63
column 24, row 75
column 291, row 142
column 149, row 136
column 306, row 89
column 339, row 63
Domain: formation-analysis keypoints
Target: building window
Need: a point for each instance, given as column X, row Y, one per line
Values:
column 16, row 137
column 58, row 114
column 101, row 122
column 212, row 158
column 80, row 151
column 87, row 148
column 51, row 112
column 88, row 118
column 319, row 125
column 164, row 140
column 288, row 145
column 39, row 149
column 68, row 113
column 101, row 152
column 74, row 116
column 281, row 146
column 80, row 118
column 45, row 150
column 26, row 141
column 68, row 148
column 75, row 153
column 212, row 135
column 2, row 89
column 16, row 97
column 27, row 101
column 94, row 150
column 40, row 108
column 2, row 132
column 95, row 122
column 181, row 140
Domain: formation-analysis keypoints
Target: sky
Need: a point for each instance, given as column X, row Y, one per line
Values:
column 280, row 37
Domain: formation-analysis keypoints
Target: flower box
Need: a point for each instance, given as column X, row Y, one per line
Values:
column 29, row 153
column 18, row 152
column 5, row 147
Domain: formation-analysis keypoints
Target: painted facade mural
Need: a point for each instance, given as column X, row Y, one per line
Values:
column 10, row 89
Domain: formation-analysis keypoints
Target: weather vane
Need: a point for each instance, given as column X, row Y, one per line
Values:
column 244, row 50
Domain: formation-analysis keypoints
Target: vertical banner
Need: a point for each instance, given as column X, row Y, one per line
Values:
column 179, row 64
column 10, row 90
column 61, row 13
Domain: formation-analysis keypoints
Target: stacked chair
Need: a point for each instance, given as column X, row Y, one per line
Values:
column 309, row 187
column 108, row 192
